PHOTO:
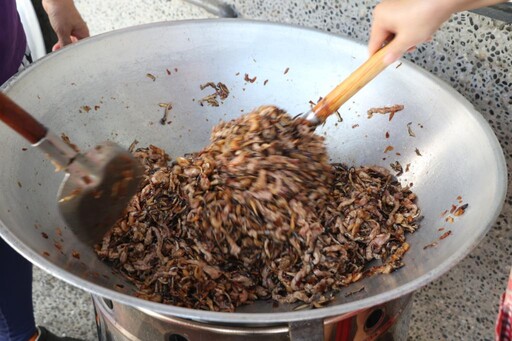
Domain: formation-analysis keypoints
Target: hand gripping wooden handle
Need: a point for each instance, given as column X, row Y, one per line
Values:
column 20, row 120
column 350, row 86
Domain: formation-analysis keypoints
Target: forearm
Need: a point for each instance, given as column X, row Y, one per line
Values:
column 47, row 3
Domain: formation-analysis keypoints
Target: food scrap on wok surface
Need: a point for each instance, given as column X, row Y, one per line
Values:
column 260, row 213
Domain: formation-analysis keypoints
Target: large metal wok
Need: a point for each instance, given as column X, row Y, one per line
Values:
column 100, row 89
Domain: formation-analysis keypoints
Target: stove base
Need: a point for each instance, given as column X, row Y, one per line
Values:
column 118, row 322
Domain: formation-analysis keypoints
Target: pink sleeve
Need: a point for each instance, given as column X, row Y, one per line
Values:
column 504, row 320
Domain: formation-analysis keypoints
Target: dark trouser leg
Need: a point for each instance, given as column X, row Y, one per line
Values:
column 16, row 309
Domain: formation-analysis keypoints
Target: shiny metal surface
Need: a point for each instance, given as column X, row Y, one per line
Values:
column 453, row 151
column 311, row 117
column 56, row 149
column 388, row 321
column 96, row 190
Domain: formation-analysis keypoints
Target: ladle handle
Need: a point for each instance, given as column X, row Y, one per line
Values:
column 350, row 86
column 20, row 120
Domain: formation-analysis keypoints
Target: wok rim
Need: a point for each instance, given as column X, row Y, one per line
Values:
column 267, row 318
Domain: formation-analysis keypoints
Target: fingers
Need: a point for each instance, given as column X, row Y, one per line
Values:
column 378, row 37
column 58, row 45
column 64, row 37
column 399, row 46
column 411, row 22
column 66, row 22
column 81, row 32
column 392, row 56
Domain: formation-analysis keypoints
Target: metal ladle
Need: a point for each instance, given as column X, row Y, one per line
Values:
column 98, row 184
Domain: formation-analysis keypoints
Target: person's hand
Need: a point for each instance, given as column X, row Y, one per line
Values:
column 66, row 22
column 406, row 23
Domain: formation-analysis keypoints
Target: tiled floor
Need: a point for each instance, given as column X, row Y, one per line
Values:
column 62, row 308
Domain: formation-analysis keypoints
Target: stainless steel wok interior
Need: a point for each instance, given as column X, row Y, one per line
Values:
column 100, row 89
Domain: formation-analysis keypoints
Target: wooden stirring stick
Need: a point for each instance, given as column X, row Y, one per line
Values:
column 348, row 88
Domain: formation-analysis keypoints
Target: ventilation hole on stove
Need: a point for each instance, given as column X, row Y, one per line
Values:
column 108, row 303
column 176, row 337
column 374, row 319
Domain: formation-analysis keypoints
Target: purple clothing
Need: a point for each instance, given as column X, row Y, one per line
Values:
column 16, row 310
column 12, row 40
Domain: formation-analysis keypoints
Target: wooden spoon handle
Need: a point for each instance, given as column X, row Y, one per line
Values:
column 350, row 86
column 20, row 120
